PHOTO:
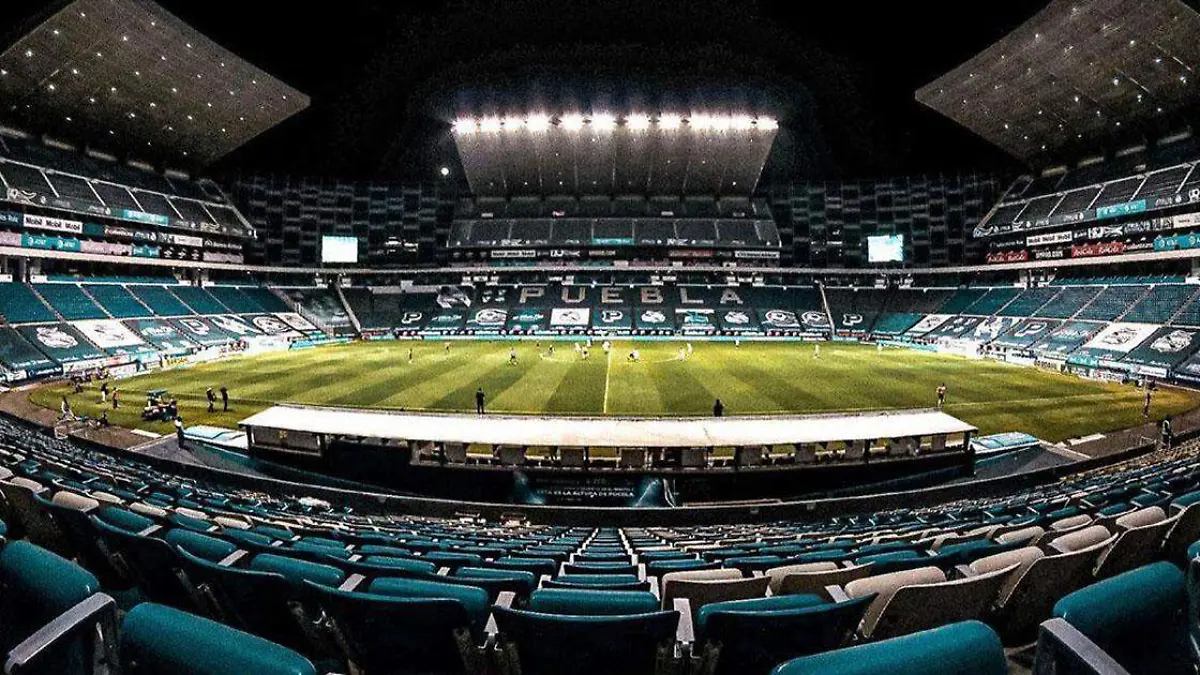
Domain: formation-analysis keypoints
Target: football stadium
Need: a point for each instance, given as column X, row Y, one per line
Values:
column 662, row 338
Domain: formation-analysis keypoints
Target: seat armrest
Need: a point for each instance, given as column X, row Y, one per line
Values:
column 352, row 582
column 505, row 600
column 230, row 559
column 685, row 634
column 836, row 593
column 641, row 572
column 149, row 530
column 1062, row 648
column 965, row 571
column 654, row 587
column 98, row 609
column 542, row 580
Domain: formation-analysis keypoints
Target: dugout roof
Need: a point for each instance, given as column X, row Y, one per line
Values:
column 130, row 76
column 614, row 432
column 1078, row 71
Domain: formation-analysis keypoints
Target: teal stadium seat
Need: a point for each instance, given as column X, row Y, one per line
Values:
column 1137, row 618
column 36, row 587
column 158, row 640
column 966, row 648
column 407, row 626
column 587, row 633
column 754, row 636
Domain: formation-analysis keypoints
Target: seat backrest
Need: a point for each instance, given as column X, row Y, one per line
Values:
column 776, row 575
column 1137, row 616
column 967, row 648
column 816, row 582
column 157, row 639
column 533, row 643
column 377, row 632
column 884, row 586
column 753, row 636
column 1024, row 558
column 588, row 602
column 1136, row 546
column 474, row 600
column 37, row 585
column 1185, row 531
column 1079, row 539
column 1141, row 517
column 700, row 592
column 922, row 606
column 1025, row 534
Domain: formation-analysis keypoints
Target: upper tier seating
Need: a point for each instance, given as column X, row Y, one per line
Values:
column 160, row 300
column 69, row 301
column 1112, row 302
column 199, row 300
column 992, row 301
column 117, row 301
column 19, row 304
column 961, row 300
column 1030, row 301
column 1160, row 304
column 235, row 300
column 1067, row 303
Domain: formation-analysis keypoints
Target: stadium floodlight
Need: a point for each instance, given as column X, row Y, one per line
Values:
column 741, row 122
column 669, row 121
column 767, row 124
column 572, row 122
column 699, row 122
column 637, row 122
column 490, row 125
column 464, row 126
column 513, row 123
column 603, row 122
column 538, row 123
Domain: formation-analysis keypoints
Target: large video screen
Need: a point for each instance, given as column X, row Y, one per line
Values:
column 339, row 249
column 885, row 248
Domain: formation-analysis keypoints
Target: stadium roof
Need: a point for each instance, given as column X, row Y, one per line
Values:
column 605, row 154
column 129, row 73
column 1077, row 72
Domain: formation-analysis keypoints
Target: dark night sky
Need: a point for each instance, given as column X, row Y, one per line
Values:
column 386, row 75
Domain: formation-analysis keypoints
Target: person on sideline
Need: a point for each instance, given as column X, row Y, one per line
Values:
column 479, row 397
column 718, row 409
column 941, row 395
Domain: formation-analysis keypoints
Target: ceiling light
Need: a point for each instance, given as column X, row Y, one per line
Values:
column 464, row 126
column 572, row 122
column 538, row 123
column 637, row 122
column 513, row 123
column 490, row 125
column 669, row 121
column 768, row 123
column 603, row 122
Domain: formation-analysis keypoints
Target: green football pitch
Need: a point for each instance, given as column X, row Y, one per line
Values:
column 752, row 378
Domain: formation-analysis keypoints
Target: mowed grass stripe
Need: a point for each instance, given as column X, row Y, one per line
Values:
column 581, row 388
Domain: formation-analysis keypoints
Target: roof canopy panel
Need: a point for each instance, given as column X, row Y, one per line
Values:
column 1079, row 71
column 129, row 76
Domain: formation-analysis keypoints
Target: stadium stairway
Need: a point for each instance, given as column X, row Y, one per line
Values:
column 349, row 310
column 88, row 294
column 299, row 308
